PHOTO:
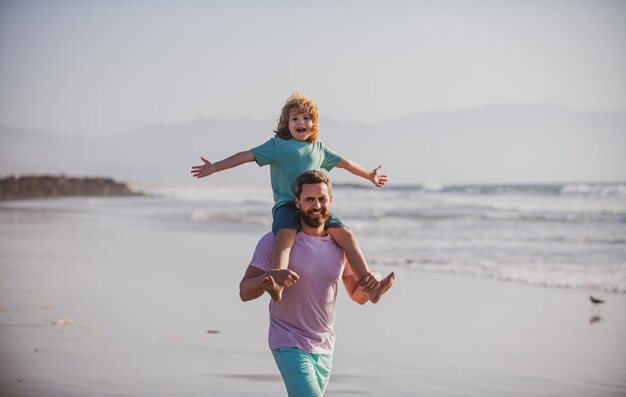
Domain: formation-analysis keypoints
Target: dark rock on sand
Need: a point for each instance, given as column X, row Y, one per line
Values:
column 29, row 187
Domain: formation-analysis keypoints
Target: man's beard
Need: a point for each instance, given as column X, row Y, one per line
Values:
column 314, row 222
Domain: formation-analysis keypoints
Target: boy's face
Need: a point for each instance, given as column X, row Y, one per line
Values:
column 300, row 126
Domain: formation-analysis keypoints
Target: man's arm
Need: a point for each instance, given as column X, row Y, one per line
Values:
column 251, row 286
column 373, row 176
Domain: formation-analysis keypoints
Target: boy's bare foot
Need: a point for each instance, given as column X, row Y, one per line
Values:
column 385, row 284
column 273, row 288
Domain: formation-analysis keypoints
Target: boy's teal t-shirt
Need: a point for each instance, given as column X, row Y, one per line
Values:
column 288, row 158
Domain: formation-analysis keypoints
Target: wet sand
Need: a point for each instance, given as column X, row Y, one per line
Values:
column 105, row 297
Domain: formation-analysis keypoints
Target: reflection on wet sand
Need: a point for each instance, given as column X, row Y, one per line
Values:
column 595, row 319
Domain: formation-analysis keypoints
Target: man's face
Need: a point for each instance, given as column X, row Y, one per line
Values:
column 314, row 204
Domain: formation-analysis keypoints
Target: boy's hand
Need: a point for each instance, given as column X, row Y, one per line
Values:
column 200, row 171
column 377, row 178
column 284, row 277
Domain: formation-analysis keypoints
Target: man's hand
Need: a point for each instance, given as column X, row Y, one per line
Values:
column 370, row 281
column 283, row 277
column 200, row 171
column 377, row 178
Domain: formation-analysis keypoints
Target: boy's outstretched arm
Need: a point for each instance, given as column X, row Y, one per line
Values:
column 373, row 176
column 208, row 168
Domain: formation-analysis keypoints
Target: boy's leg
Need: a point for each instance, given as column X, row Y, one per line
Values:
column 285, row 238
column 285, row 226
column 346, row 240
column 369, row 281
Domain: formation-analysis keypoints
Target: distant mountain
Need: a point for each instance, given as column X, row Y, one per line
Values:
column 514, row 143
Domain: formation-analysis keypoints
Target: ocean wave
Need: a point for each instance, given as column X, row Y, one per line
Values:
column 556, row 189
column 402, row 220
column 566, row 236
column 566, row 217
column 478, row 215
column 594, row 190
column 225, row 217
column 406, row 219
column 579, row 240
column 607, row 279
column 263, row 193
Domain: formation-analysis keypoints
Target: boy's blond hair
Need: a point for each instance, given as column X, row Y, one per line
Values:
column 297, row 103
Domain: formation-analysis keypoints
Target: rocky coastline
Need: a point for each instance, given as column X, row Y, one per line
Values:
column 50, row 186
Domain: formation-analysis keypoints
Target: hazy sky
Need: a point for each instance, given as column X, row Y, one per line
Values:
column 100, row 67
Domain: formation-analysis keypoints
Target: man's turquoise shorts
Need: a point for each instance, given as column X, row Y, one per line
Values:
column 304, row 374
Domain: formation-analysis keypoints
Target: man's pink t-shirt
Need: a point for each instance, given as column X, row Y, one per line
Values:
column 305, row 316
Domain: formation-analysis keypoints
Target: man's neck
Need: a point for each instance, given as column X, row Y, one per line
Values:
column 313, row 231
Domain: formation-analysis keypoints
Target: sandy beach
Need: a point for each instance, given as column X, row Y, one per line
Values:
column 112, row 297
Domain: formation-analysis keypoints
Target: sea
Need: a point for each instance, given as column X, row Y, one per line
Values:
column 570, row 235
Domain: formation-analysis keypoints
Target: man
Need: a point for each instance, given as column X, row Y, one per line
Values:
column 301, row 334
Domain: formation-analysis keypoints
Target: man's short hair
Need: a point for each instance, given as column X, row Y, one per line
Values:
column 311, row 177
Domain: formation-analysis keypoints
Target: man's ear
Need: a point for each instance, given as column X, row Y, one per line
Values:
column 297, row 202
